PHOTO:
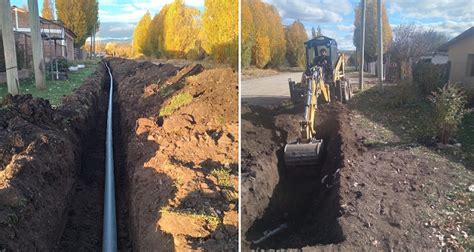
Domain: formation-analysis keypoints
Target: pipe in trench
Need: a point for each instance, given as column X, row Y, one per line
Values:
column 109, row 239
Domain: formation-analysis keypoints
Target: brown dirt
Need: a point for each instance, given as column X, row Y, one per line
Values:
column 390, row 197
column 40, row 150
column 173, row 162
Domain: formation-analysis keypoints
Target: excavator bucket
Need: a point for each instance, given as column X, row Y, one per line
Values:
column 303, row 155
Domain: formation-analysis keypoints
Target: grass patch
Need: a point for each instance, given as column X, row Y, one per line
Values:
column 176, row 102
column 55, row 89
column 412, row 122
column 223, row 177
column 465, row 136
column 212, row 221
column 169, row 89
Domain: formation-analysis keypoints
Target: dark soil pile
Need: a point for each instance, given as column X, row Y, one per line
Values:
column 181, row 166
column 40, row 156
column 373, row 198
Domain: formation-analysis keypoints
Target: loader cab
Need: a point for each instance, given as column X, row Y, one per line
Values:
column 314, row 47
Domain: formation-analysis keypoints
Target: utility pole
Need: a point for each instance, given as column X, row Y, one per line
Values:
column 362, row 51
column 380, row 49
column 37, row 45
column 9, row 46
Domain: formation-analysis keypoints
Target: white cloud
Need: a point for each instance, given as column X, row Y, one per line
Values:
column 449, row 28
column 133, row 10
column 346, row 28
column 458, row 10
column 307, row 10
column 123, row 27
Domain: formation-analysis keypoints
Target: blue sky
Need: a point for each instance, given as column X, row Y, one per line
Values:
column 335, row 17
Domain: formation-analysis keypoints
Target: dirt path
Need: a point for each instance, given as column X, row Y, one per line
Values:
column 269, row 90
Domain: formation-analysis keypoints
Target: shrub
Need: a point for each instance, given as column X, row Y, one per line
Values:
column 449, row 102
column 429, row 77
column 404, row 92
column 63, row 64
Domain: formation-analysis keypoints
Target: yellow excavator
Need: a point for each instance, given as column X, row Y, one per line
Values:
column 322, row 81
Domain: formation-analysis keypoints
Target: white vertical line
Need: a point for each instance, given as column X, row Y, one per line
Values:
column 240, row 124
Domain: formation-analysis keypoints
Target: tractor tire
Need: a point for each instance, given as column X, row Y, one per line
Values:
column 291, row 85
column 346, row 91
column 340, row 91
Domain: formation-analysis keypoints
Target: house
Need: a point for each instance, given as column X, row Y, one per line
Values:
column 58, row 40
column 436, row 58
column 461, row 57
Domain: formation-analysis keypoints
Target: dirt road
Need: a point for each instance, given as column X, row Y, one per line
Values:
column 273, row 90
column 269, row 90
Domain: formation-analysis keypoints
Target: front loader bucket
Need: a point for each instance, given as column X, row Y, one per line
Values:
column 303, row 155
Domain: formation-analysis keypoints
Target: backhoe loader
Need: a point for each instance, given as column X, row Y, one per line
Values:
column 322, row 81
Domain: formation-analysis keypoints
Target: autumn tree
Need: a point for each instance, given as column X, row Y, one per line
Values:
column 81, row 16
column 262, row 51
column 110, row 48
column 47, row 11
column 156, row 34
column 295, row 35
column 141, row 41
column 277, row 37
column 371, row 23
column 220, row 29
column 265, row 27
column 248, row 33
column 174, row 30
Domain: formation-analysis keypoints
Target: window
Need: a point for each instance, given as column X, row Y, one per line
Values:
column 470, row 65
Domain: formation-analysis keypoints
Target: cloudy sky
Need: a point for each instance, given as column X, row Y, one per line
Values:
column 335, row 17
column 119, row 17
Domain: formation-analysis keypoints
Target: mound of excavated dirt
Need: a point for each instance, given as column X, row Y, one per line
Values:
column 181, row 164
column 40, row 153
column 373, row 198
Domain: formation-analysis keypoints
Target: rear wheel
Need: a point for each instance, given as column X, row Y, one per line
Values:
column 346, row 91
column 291, row 85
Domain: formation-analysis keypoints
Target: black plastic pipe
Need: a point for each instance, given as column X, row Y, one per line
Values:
column 109, row 239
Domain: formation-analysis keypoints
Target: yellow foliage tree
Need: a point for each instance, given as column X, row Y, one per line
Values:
column 248, row 33
column 110, row 48
column 47, row 11
column 174, row 30
column 261, row 23
column 141, row 41
column 262, row 51
column 276, row 33
column 295, row 37
column 156, row 33
column 220, row 30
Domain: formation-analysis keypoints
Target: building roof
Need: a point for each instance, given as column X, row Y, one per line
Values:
column 467, row 33
column 44, row 20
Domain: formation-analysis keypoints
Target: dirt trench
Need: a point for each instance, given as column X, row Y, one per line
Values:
column 52, row 171
column 176, row 174
column 181, row 167
column 308, row 204
column 83, row 228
